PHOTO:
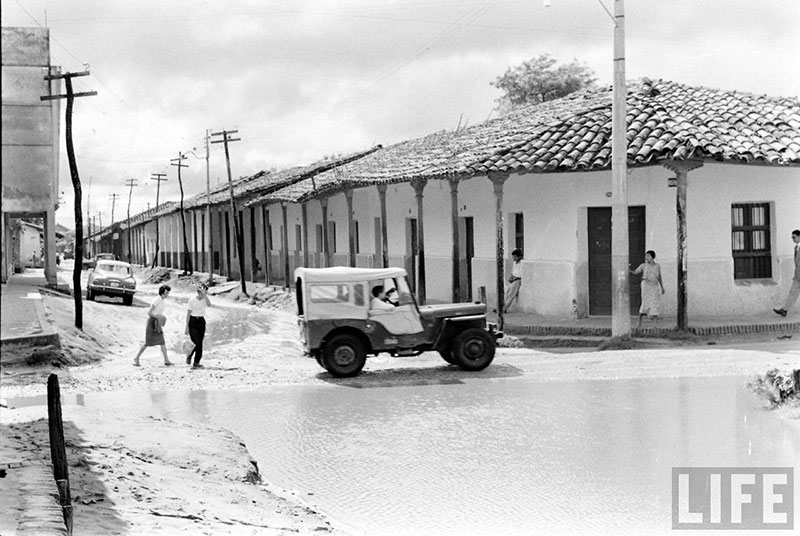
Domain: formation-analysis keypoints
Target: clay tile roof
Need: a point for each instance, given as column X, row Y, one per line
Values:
column 665, row 121
column 253, row 187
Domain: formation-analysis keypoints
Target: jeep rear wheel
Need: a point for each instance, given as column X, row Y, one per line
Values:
column 89, row 295
column 344, row 356
column 127, row 300
column 473, row 349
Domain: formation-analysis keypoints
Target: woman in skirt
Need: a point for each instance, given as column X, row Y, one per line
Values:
column 154, row 332
column 652, row 286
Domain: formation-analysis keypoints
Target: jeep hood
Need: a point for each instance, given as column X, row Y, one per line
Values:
column 450, row 310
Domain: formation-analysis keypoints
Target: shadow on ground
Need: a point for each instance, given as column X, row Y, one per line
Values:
column 413, row 376
column 30, row 443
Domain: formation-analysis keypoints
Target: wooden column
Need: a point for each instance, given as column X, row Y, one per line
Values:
column 351, row 229
column 497, row 182
column 384, row 229
column 419, row 185
column 304, row 208
column 326, row 246
column 285, row 246
column 454, row 229
column 681, row 168
column 267, row 245
column 253, row 257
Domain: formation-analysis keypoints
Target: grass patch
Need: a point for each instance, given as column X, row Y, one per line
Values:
column 779, row 388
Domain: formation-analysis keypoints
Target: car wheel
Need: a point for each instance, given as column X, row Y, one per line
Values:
column 89, row 295
column 127, row 300
column 447, row 355
column 344, row 356
column 320, row 361
column 473, row 349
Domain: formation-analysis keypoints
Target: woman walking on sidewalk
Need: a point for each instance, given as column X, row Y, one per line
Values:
column 154, row 332
column 651, row 284
column 196, row 324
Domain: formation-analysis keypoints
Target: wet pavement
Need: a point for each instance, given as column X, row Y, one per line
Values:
column 488, row 456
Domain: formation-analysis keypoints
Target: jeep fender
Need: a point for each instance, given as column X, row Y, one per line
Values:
column 349, row 330
column 451, row 327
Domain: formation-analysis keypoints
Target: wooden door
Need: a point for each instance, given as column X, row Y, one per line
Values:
column 466, row 248
column 600, row 284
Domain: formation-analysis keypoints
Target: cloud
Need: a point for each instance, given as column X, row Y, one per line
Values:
column 303, row 79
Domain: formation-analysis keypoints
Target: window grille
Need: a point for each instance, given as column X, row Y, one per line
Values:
column 750, row 241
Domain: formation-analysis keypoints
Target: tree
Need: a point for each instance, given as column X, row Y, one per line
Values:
column 539, row 80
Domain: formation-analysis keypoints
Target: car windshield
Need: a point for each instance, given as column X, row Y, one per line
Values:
column 122, row 269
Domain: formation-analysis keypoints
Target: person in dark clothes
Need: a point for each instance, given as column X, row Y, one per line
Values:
column 196, row 324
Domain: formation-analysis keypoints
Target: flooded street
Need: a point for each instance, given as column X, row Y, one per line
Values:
column 487, row 456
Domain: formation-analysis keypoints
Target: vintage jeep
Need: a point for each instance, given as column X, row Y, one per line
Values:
column 339, row 327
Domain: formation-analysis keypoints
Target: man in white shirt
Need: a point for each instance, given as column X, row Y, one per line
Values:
column 515, row 281
column 794, row 290
column 378, row 299
column 196, row 324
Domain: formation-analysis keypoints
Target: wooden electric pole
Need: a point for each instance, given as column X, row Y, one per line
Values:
column 237, row 230
column 159, row 177
column 76, row 184
column 114, row 198
column 131, row 183
column 187, row 259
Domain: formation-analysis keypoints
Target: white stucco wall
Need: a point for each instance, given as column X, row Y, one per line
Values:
column 555, row 206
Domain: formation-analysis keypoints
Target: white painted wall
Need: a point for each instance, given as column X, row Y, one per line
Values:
column 555, row 270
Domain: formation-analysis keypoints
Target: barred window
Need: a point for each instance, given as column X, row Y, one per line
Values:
column 750, row 241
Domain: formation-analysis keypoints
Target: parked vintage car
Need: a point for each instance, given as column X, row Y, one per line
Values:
column 340, row 328
column 111, row 278
column 90, row 264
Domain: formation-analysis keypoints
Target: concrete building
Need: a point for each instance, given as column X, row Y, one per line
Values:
column 30, row 137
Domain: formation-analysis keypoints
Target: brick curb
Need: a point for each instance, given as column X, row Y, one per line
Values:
column 588, row 331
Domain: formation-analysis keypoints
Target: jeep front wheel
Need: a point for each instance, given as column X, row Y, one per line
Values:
column 473, row 349
column 447, row 355
column 344, row 356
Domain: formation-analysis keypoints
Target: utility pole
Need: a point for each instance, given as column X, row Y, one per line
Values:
column 114, row 198
column 187, row 260
column 208, row 216
column 76, row 184
column 159, row 177
column 620, row 310
column 237, row 231
column 88, row 218
column 131, row 183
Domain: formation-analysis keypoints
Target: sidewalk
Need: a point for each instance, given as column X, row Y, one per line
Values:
column 600, row 326
column 22, row 318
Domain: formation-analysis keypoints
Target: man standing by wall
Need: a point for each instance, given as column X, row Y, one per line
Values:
column 794, row 291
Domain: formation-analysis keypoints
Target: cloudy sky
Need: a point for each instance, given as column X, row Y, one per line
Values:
column 301, row 80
